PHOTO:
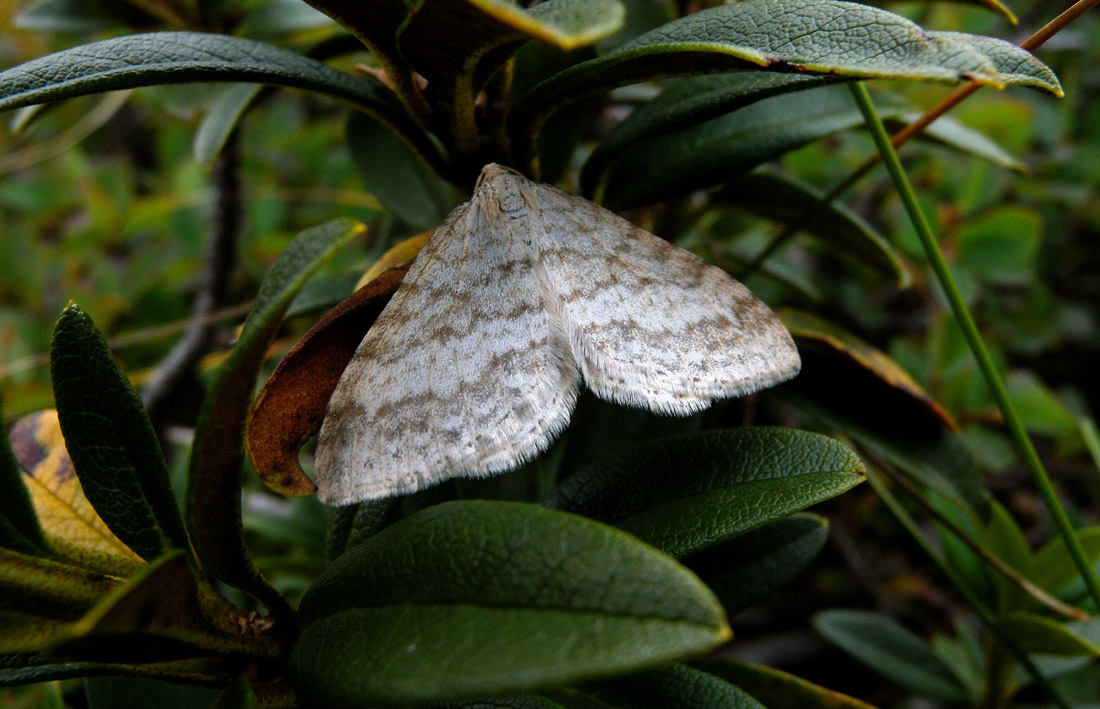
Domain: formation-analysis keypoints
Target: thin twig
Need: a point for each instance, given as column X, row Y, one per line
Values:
column 221, row 261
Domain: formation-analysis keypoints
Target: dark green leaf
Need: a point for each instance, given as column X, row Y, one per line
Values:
column 791, row 202
column 238, row 695
column 396, row 176
column 1041, row 635
column 777, row 689
column 688, row 102
column 221, row 120
column 354, row 524
column 64, row 16
column 1055, row 569
column 675, row 687
column 110, row 440
column 686, row 493
column 711, row 153
column 522, row 701
column 134, row 693
column 547, row 598
column 214, row 485
column 951, row 133
column 748, row 569
column 894, row 652
column 37, row 586
column 19, row 528
column 801, row 36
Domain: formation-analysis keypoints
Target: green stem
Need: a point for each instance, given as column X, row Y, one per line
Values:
column 974, row 339
column 984, row 613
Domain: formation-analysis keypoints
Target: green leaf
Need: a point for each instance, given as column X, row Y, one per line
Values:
column 521, row 701
column 1055, row 570
column 43, row 587
column 396, row 176
column 1001, row 245
column 675, row 687
column 354, row 524
column 1015, row 66
column 19, row 528
column 221, row 120
column 547, row 598
column 750, row 568
column 800, row 36
column 686, row 493
column 951, row 133
column 1041, row 635
column 110, row 440
column 777, row 689
column 710, row 153
column 135, row 693
column 892, row 651
column 688, row 102
column 64, row 16
column 1004, row 539
column 214, row 484
column 789, row 202
column 181, row 57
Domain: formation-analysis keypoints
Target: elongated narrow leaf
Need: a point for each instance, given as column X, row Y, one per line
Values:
column 791, row 202
column 686, row 493
column 1042, row 635
column 110, row 440
column 1054, row 567
column 892, row 651
column 180, row 57
column 72, row 526
column 415, row 598
column 777, row 689
column 221, row 120
column 802, row 36
column 675, row 687
column 748, row 569
column 214, row 484
column 688, row 102
column 1015, row 66
column 26, row 632
column 951, row 133
column 157, row 614
column 16, row 509
column 396, row 176
column 712, row 152
column 33, row 585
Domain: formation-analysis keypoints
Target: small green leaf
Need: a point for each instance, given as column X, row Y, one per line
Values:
column 1004, row 539
column 353, row 524
column 710, row 153
column 750, row 568
column 686, row 493
column 789, row 202
column 396, row 176
column 64, row 16
column 950, row 132
column 892, row 651
column 547, row 598
column 110, row 440
column 777, row 689
column 214, row 484
column 1001, row 245
column 1015, row 66
column 1041, row 635
column 1055, row 570
column 675, row 687
column 19, row 528
column 221, row 120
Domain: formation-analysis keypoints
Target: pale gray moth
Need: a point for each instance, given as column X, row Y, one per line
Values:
column 521, row 294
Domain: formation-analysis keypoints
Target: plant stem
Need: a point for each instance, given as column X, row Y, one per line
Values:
column 911, row 131
column 974, row 339
column 984, row 613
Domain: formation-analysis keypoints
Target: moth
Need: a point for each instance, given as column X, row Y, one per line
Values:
column 520, row 295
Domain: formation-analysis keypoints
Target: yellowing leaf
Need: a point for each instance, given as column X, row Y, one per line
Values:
column 58, row 498
column 397, row 255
